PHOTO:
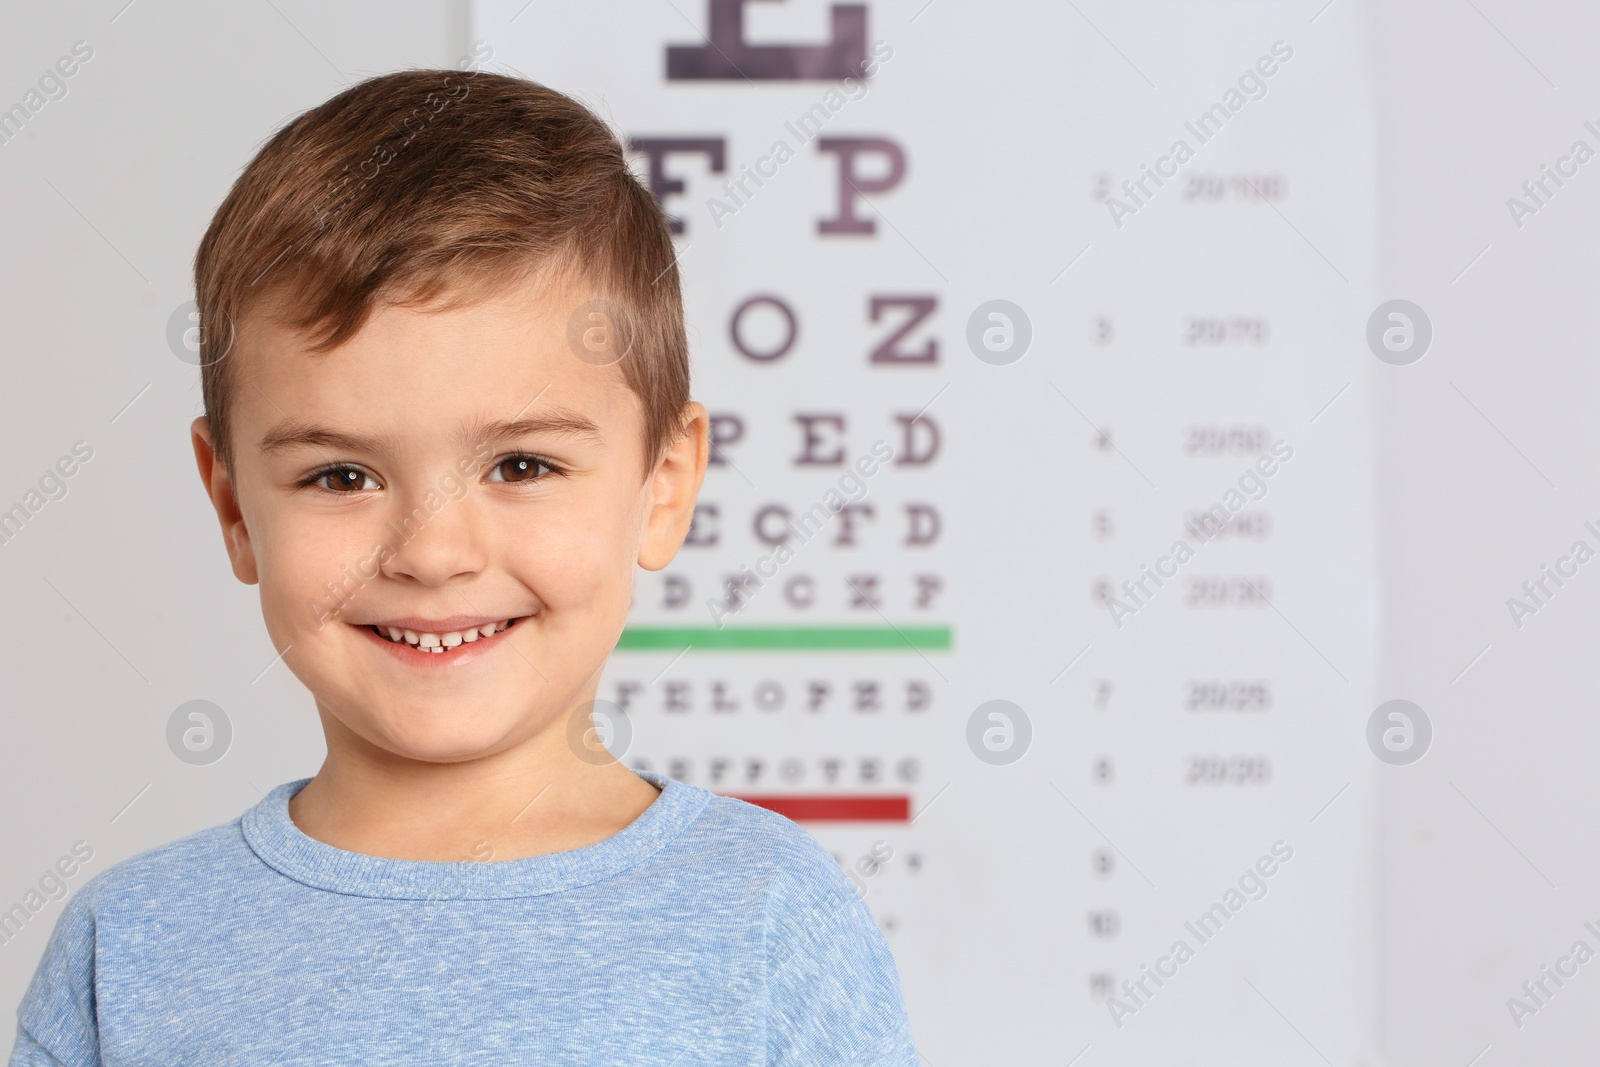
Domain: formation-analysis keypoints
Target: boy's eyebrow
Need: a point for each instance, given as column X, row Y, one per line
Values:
column 560, row 422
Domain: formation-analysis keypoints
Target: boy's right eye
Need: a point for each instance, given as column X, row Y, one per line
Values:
column 341, row 479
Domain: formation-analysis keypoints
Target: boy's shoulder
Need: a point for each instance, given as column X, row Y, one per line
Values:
column 202, row 861
column 805, row 895
column 759, row 831
column 831, row 980
column 766, row 844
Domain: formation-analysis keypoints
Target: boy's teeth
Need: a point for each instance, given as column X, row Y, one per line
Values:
column 440, row 642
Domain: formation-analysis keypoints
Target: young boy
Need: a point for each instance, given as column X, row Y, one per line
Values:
column 446, row 388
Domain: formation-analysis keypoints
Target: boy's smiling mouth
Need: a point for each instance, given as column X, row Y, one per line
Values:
column 444, row 638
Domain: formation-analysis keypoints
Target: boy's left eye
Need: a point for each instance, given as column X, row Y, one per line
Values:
column 520, row 468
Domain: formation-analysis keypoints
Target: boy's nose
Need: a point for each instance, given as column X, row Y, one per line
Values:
column 433, row 547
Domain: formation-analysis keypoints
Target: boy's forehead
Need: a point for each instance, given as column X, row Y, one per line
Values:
column 423, row 371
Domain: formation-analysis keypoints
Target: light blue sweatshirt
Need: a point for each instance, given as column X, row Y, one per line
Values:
column 708, row 931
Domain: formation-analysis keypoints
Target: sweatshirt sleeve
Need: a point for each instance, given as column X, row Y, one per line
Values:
column 833, row 991
column 56, row 1023
column 29, row 1053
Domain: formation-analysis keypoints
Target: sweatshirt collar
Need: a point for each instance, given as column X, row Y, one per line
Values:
column 282, row 845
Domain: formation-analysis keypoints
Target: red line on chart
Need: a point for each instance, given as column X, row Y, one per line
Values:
column 827, row 807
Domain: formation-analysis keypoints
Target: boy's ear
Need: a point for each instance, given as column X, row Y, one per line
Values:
column 219, row 487
column 673, row 489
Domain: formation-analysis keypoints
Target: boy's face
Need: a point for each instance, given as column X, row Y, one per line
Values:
column 382, row 484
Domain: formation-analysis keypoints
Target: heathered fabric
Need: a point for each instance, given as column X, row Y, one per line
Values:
column 708, row 931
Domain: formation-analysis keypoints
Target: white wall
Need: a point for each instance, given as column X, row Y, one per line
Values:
column 1488, row 468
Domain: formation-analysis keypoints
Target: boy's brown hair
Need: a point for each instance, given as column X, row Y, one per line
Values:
column 427, row 184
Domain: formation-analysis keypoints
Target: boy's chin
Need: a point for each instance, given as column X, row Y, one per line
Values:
column 446, row 739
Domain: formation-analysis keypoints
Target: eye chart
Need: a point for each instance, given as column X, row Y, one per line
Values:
column 1033, row 572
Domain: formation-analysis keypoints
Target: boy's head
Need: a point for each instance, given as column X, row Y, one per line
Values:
column 446, row 385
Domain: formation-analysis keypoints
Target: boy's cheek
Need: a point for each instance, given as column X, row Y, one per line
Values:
column 560, row 573
column 570, row 567
column 307, row 581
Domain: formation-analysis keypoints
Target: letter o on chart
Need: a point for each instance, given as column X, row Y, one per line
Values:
column 800, row 591
column 736, row 329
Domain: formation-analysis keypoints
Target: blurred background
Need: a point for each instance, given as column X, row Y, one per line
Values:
column 1225, row 588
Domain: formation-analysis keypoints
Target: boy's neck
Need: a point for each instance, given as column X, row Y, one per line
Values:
column 536, row 798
